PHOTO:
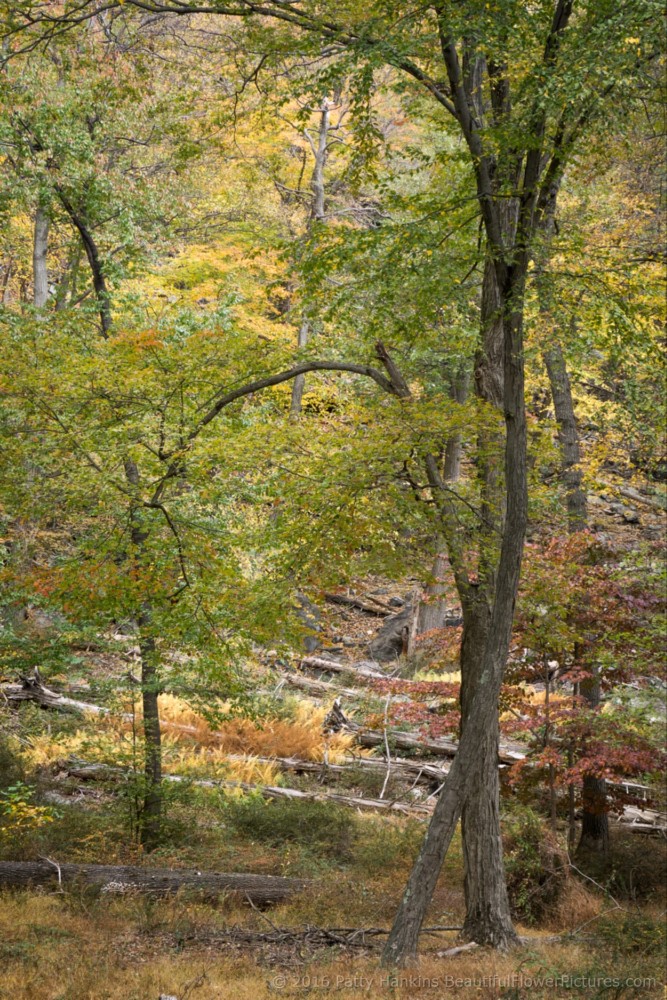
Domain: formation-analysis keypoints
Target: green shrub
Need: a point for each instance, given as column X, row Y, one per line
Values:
column 321, row 827
column 536, row 867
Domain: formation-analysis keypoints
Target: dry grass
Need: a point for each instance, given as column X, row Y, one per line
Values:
column 54, row 948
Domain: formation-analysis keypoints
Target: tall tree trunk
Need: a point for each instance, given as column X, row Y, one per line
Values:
column 39, row 253
column 299, row 384
column 432, row 612
column 150, row 820
column 488, row 918
column 568, row 436
column 595, row 823
column 319, row 151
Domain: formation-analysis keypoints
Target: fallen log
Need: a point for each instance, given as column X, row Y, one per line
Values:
column 430, row 774
column 317, row 688
column 657, row 502
column 334, row 667
column 378, row 608
column 32, row 689
column 507, row 753
column 81, row 769
column 634, row 819
column 128, row 879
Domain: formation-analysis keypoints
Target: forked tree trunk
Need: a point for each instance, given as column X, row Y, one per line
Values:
column 482, row 718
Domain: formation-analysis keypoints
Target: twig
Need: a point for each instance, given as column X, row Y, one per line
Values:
column 57, row 868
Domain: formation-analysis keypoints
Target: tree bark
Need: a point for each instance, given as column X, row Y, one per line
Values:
column 119, row 879
column 39, row 255
column 568, row 436
column 488, row 918
column 150, row 820
column 594, row 822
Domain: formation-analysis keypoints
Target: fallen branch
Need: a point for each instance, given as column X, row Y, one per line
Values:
column 128, row 879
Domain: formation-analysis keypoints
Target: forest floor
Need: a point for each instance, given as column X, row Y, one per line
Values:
column 593, row 930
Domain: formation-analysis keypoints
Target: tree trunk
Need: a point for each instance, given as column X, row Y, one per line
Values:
column 482, row 717
column 431, row 612
column 121, row 879
column 150, row 819
column 488, row 919
column 299, row 384
column 595, row 822
column 151, row 811
column 568, row 436
column 319, row 151
column 93, row 255
column 39, row 254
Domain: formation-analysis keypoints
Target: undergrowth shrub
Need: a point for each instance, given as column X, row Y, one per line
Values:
column 323, row 828
column 536, row 866
column 382, row 849
column 623, row 933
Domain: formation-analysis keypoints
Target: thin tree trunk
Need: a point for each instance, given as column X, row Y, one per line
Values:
column 319, row 151
column 299, row 384
column 595, row 822
column 568, row 436
column 151, row 812
column 39, row 254
column 432, row 612
column 93, row 255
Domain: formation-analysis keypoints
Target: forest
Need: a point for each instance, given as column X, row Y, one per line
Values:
column 333, row 499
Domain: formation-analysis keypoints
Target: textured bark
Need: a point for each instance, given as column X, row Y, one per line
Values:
column 488, row 919
column 39, row 253
column 568, row 436
column 432, row 611
column 120, row 879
